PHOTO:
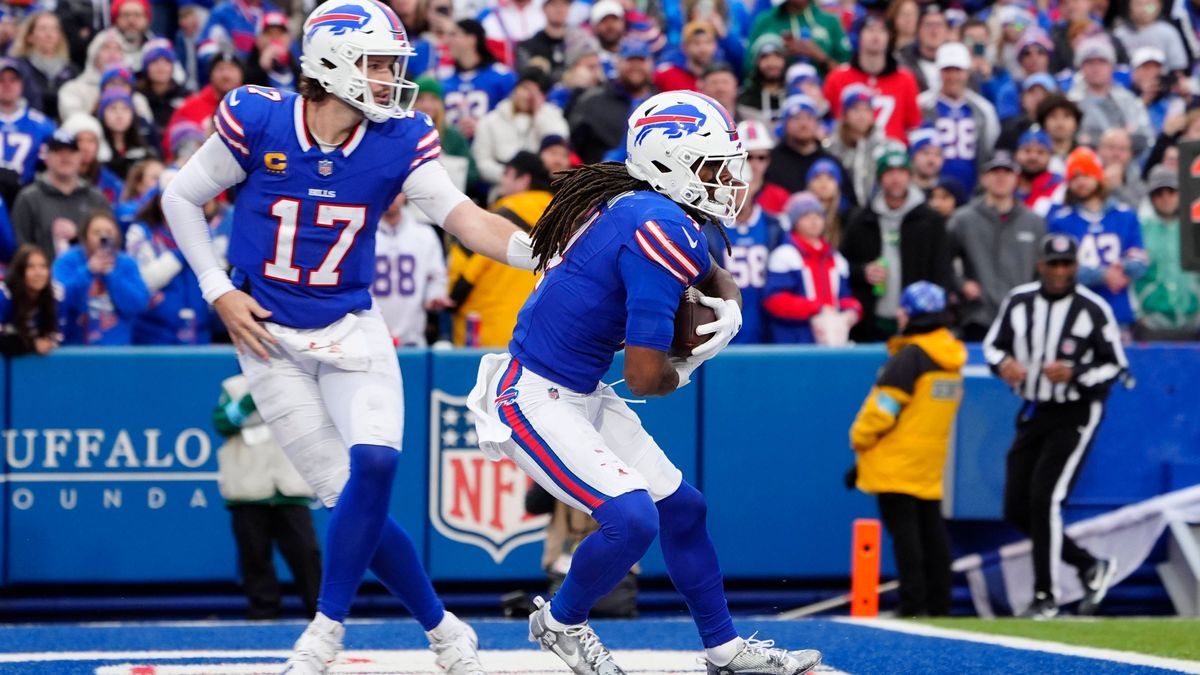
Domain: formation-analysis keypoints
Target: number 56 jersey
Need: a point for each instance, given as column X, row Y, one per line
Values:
column 304, row 220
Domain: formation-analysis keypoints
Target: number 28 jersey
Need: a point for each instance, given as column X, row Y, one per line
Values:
column 304, row 221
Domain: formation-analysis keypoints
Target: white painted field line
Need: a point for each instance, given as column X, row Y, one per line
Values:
column 1029, row 644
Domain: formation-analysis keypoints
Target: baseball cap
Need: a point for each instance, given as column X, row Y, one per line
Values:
column 635, row 49
column 755, row 136
column 893, row 158
column 1095, row 48
column 921, row 137
column 796, row 104
column 116, row 73
column 62, row 140
column 9, row 64
column 553, row 140
column 275, row 20
column 1001, row 159
column 1059, row 246
column 537, row 76
column 1148, row 54
column 855, row 94
column 953, row 55
column 1043, row 80
column 1035, row 135
column 604, row 9
column 922, row 297
column 1161, row 177
column 801, row 204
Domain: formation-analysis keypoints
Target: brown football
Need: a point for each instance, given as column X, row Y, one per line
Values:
column 688, row 317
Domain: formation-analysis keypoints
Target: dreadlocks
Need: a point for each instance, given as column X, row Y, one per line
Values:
column 576, row 193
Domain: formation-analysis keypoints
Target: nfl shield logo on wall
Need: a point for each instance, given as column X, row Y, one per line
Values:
column 472, row 499
column 325, row 167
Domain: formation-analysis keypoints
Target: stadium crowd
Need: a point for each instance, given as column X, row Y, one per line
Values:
column 888, row 143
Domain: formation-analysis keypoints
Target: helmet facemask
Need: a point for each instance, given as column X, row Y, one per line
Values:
column 355, row 87
column 723, row 195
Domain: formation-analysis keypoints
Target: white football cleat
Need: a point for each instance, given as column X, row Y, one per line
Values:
column 317, row 648
column 456, row 646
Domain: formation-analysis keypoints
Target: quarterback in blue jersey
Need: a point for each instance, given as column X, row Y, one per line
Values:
column 1111, row 254
column 619, row 244
column 315, row 170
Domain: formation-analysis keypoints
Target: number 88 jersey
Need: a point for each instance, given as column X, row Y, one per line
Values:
column 304, row 222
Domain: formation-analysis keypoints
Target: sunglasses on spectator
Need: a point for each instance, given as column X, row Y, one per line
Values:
column 444, row 10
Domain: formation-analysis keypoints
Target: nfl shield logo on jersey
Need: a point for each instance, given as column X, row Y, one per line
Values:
column 325, row 167
column 472, row 499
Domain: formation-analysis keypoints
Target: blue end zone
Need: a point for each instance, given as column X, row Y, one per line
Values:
column 849, row 648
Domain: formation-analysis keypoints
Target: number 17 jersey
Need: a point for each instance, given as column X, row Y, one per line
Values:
column 304, row 223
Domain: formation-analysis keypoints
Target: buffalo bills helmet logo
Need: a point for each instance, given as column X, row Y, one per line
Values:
column 676, row 121
column 340, row 20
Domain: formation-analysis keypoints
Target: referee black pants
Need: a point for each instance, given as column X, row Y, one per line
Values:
column 1043, row 462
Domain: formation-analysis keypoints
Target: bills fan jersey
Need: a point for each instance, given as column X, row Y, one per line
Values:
column 620, row 280
column 304, row 221
column 956, row 133
column 1114, row 236
column 21, row 138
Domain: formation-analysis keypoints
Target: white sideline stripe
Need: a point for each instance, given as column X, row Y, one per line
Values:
column 107, row 476
column 410, row 662
column 1028, row 644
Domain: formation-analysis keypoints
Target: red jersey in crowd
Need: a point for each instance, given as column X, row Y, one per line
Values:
column 895, row 100
column 1045, row 191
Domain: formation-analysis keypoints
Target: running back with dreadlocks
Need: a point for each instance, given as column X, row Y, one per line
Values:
column 577, row 192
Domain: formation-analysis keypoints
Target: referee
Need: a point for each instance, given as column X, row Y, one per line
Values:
column 1057, row 344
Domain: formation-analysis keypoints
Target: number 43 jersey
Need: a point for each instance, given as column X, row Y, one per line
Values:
column 304, row 220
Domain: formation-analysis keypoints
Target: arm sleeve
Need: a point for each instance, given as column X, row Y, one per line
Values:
column 156, row 270
column 998, row 343
column 1109, row 355
column 430, row 188
column 208, row 173
column 651, row 298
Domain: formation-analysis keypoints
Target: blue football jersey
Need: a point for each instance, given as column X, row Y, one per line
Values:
column 303, row 234
column 473, row 93
column 1115, row 235
column 957, row 135
column 751, row 244
column 619, row 282
column 21, row 138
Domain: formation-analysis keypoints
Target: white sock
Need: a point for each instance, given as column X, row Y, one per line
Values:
column 721, row 655
column 553, row 623
column 324, row 623
column 447, row 626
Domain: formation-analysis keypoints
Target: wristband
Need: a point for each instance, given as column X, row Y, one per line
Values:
column 520, row 251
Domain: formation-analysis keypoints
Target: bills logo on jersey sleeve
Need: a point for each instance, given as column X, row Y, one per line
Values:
column 675, row 121
column 473, row 500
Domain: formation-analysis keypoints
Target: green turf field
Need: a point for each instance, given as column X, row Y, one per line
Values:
column 1175, row 638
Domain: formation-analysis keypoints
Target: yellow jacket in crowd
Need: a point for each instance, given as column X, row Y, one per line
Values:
column 493, row 290
column 903, row 428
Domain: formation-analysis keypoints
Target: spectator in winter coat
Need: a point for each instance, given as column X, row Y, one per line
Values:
column 1060, row 118
column 226, row 73
column 808, row 33
column 81, row 94
column 141, row 187
column 29, row 316
column 50, row 212
column 122, row 134
column 234, row 25
column 800, row 148
column 478, row 83
column 825, row 183
column 1168, row 296
column 270, row 63
column 1104, row 103
column 920, row 58
column 763, row 96
column 856, row 140
column 519, row 122
column 996, row 239
column 720, row 83
column 42, row 55
column 895, row 240
column 927, row 157
column 547, row 49
column 24, row 129
column 131, row 27
column 599, row 118
column 1034, row 90
column 103, row 292
column 1038, row 187
column 1145, row 27
column 699, row 52
column 873, row 65
column 1033, row 56
column 807, row 296
column 1150, row 84
column 900, row 438
column 177, row 313
column 946, row 196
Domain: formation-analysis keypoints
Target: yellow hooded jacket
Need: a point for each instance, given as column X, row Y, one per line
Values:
column 903, row 428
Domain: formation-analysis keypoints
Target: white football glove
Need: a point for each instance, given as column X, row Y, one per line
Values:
column 684, row 367
column 727, row 325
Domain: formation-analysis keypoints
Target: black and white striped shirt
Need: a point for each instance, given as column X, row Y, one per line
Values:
column 1077, row 329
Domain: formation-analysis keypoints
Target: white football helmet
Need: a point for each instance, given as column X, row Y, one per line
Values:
column 672, row 135
column 339, row 35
